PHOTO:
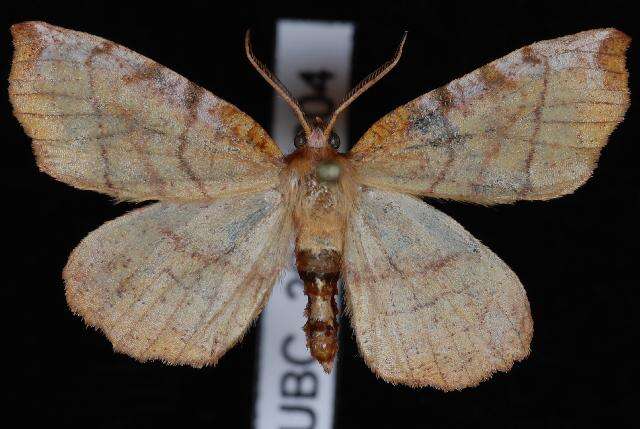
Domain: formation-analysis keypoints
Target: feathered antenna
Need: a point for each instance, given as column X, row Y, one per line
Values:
column 365, row 84
column 275, row 83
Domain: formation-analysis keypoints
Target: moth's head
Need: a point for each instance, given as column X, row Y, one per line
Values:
column 318, row 138
column 316, row 133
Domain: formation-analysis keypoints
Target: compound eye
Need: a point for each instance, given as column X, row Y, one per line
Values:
column 300, row 139
column 334, row 141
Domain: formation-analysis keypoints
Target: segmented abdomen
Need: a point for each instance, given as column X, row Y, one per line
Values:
column 320, row 274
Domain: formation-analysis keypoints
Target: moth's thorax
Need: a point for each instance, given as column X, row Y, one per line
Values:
column 320, row 184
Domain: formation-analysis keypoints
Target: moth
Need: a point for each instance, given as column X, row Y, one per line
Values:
column 181, row 280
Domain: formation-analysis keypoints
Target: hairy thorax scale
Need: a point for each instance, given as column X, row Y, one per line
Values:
column 320, row 178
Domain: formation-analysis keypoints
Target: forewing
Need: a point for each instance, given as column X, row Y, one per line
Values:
column 528, row 126
column 181, row 283
column 105, row 118
column 430, row 305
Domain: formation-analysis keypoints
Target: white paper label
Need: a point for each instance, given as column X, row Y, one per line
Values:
column 313, row 60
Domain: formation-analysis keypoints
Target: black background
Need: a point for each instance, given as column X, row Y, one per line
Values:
column 575, row 255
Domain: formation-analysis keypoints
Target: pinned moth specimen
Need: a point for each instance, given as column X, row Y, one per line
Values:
column 181, row 280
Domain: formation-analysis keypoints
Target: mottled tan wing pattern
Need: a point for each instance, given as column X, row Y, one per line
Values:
column 181, row 282
column 430, row 305
column 528, row 126
column 105, row 118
